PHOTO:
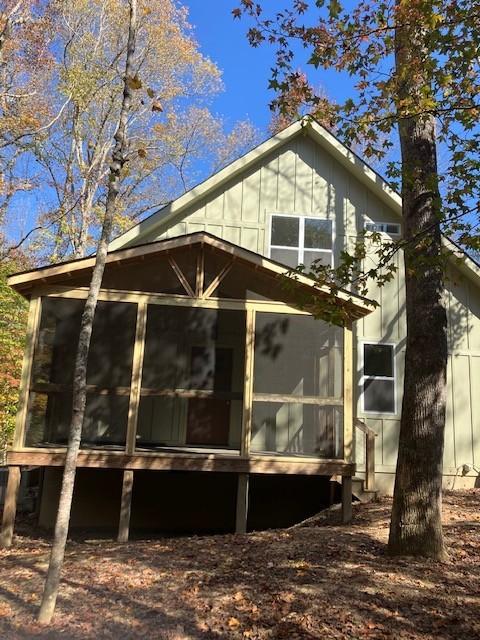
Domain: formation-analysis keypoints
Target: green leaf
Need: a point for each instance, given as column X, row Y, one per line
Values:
column 334, row 8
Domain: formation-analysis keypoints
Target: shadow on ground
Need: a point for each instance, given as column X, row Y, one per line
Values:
column 314, row 582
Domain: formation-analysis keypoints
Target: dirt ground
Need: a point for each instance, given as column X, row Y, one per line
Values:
column 322, row 581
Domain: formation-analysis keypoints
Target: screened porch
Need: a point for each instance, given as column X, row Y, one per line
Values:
column 197, row 346
column 192, row 391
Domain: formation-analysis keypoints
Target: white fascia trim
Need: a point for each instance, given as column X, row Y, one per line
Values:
column 357, row 166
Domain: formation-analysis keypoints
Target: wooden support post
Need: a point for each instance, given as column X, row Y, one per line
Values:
column 32, row 333
column 346, row 499
column 248, row 384
column 136, row 383
column 348, row 393
column 125, row 506
column 200, row 279
column 10, row 506
column 242, row 503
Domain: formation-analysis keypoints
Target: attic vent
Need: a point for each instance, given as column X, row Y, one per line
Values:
column 391, row 228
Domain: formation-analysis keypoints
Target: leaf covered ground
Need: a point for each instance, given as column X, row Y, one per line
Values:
column 317, row 582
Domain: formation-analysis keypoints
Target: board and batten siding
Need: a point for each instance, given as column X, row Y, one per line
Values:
column 302, row 178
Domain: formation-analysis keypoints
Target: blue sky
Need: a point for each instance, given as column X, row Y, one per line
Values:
column 246, row 70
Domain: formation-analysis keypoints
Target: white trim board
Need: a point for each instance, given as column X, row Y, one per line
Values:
column 362, row 377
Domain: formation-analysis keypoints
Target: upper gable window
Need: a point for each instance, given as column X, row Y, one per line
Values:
column 298, row 240
column 391, row 228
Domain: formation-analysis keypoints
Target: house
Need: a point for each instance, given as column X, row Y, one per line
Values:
column 206, row 362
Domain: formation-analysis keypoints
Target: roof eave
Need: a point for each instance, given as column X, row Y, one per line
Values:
column 24, row 282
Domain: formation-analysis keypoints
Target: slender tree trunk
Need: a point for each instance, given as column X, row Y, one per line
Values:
column 52, row 582
column 416, row 527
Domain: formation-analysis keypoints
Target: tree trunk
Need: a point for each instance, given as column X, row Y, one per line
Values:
column 52, row 582
column 416, row 527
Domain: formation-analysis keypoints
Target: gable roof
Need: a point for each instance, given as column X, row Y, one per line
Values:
column 307, row 126
column 319, row 134
column 355, row 305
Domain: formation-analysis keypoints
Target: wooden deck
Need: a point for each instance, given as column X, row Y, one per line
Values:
column 185, row 460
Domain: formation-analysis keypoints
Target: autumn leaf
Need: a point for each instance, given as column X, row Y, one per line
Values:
column 233, row 622
column 134, row 83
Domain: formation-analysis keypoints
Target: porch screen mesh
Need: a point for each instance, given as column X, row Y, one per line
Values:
column 192, row 379
column 109, row 373
column 298, row 386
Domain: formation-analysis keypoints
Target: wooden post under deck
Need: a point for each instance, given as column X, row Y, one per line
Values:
column 242, row 503
column 10, row 506
column 125, row 506
column 346, row 499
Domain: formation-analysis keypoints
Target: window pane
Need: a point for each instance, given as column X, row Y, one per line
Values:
column 318, row 234
column 297, row 429
column 393, row 228
column 378, row 360
column 288, row 257
column 319, row 257
column 105, row 420
column 297, row 355
column 379, row 396
column 49, row 419
column 57, row 341
column 110, row 356
column 285, row 231
column 211, row 368
column 189, row 350
column 158, row 421
column 111, row 349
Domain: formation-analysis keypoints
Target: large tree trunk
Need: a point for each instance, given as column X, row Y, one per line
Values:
column 416, row 527
column 52, row 582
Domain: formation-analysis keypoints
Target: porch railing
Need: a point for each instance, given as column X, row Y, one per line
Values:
column 369, row 435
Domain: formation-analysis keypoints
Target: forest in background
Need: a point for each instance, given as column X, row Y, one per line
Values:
column 60, row 93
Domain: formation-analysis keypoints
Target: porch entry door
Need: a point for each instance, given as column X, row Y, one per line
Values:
column 208, row 418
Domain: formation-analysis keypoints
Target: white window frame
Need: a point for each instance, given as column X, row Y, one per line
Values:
column 301, row 217
column 381, row 227
column 364, row 377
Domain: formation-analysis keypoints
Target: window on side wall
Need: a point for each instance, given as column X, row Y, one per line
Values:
column 390, row 228
column 378, row 380
column 298, row 240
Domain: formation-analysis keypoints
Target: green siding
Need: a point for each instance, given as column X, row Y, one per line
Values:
column 301, row 177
